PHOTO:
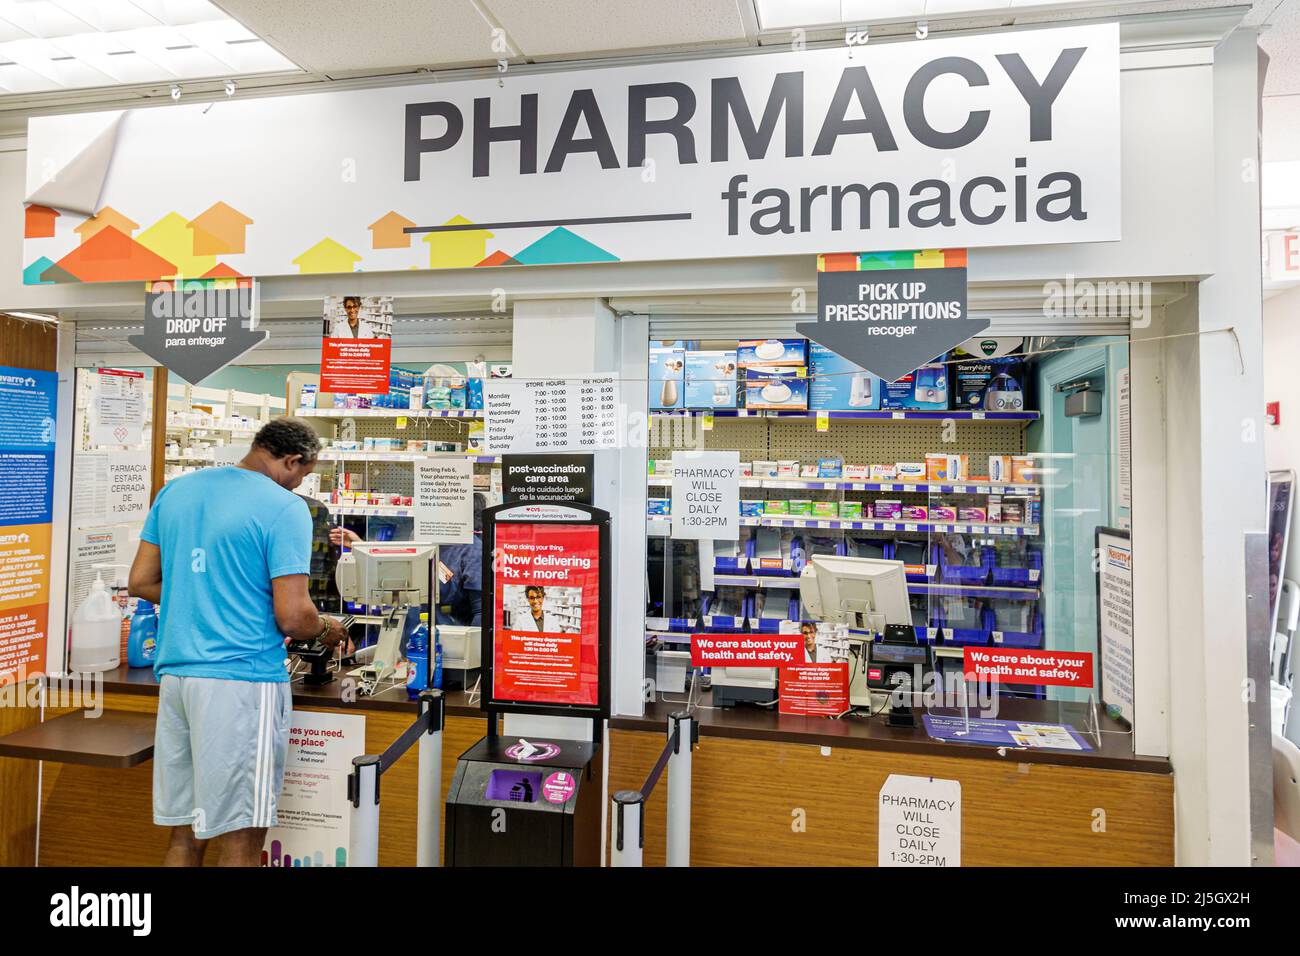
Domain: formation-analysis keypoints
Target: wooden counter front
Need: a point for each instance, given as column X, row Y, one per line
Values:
column 95, row 816
column 767, row 791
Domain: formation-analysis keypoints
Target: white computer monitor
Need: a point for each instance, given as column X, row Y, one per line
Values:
column 386, row 572
column 844, row 590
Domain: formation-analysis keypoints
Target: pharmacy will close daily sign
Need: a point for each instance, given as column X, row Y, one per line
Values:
column 546, row 635
column 1008, row 138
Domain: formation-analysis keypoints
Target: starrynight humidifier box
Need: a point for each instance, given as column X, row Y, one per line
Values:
column 776, row 389
column 667, row 378
column 770, row 352
column 710, row 380
column 838, row 385
column 989, row 385
column 926, row 389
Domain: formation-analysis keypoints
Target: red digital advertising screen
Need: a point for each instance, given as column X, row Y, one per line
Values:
column 546, row 633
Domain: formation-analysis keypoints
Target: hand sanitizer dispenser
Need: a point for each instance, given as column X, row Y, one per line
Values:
column 96, row 629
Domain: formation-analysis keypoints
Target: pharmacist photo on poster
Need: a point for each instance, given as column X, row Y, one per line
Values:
column 358, row 317
column 543, row 609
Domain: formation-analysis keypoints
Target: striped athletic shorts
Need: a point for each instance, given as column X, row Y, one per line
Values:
column 219, row 752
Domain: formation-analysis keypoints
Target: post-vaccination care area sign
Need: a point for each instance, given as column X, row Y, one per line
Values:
column 1001, row 139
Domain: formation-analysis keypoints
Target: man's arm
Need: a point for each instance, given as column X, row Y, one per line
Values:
column 145, row 580
column 296, row 615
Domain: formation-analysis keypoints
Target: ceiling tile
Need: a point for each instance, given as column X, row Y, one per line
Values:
column 567, row 27
column 340, row 37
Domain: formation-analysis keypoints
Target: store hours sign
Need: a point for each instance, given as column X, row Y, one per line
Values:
column 1009, row 138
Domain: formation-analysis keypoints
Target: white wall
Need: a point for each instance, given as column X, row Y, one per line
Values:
column 1282, row 384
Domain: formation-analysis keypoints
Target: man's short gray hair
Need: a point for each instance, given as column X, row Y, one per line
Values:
column 288, row 436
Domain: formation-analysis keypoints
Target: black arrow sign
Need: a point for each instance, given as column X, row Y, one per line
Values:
column 892, row 321
column 198, row 332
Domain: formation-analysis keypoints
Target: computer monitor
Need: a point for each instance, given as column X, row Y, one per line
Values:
column 844, row 590
column 390, row 572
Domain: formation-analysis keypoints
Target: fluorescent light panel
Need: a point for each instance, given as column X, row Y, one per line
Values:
column 74, row 44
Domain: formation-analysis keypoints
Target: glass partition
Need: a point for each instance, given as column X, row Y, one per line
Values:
column 982, row 480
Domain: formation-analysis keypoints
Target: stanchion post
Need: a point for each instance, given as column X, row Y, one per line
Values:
column 679, row 788
column 629, row 828
column 428, row 820
column 363, row 791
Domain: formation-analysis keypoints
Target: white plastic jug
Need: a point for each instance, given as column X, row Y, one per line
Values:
column 96, row 630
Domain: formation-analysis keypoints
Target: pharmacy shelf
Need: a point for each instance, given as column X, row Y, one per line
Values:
column 660, row 526
column 392, row 457
column 373, row 511
column 960, row 415
column 388, row 412
column 833, row 484
column 232, row 432
column 935, row 590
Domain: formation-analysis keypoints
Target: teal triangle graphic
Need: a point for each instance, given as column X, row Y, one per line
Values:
column 32, row 274
column 562, row 246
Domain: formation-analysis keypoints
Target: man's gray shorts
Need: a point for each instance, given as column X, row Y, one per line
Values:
column 219, row 753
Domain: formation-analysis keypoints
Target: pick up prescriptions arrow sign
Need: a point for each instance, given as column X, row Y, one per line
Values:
column 892, row 321
column 196, row 332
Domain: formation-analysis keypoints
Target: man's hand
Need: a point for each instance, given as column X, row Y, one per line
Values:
column 342, row 537
column 336, row 634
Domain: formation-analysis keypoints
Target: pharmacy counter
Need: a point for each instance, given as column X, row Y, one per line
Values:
column 783, row 790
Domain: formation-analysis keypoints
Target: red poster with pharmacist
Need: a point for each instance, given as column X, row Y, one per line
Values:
column 356, row 344
column 546, row 634
column 818, row 690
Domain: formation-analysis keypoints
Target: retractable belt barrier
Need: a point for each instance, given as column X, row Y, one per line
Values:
column 629, row 805
column 363, row 787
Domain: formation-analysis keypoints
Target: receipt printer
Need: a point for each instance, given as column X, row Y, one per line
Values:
column 516, row 802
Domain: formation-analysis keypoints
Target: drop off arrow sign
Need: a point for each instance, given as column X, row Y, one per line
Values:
column 892, row 321
column 197, row 332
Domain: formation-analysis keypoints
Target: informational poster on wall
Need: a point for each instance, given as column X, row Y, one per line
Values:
column 444, row 500
column 920, row 822
column 1115, row 621
column 815, row 690
column 1005, row 138
column 313, row 812
column 1123, row 442
column 706, row 495
column 119, row 403
column 27, row 412
column 356, row 350
column 551, row 415
column 87, row 548
column 109, row 487
column 547, row 613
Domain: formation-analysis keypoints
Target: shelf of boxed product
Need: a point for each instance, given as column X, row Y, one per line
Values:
column 909, row 415
column 372, row 511
column 384, row 457
column 660, row 526
column 840, row 484
column 936, row 590
column 388, row 412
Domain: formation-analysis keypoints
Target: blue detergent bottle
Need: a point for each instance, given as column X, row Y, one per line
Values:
column 437, row 659
column 142, row 643
column 417, row 656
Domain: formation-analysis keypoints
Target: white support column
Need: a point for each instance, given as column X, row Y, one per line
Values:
column 1214, row 405
column 575, row 337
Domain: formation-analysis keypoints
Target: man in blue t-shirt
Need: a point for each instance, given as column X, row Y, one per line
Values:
column 225, row 553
